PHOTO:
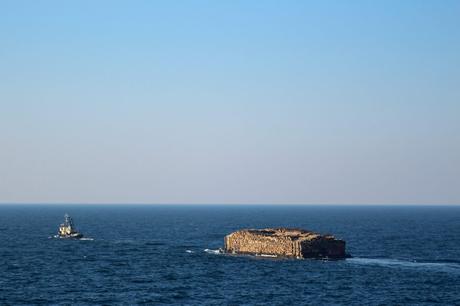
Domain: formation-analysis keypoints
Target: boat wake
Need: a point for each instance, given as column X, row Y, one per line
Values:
column 215, row 252
column 444, row 266
column 266, row 255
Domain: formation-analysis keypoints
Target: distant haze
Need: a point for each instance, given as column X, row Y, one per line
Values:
column 230, row 102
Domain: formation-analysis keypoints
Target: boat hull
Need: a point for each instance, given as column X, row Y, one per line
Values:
column 71, row 236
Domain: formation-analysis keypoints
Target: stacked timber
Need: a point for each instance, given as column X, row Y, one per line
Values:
column 284, row 242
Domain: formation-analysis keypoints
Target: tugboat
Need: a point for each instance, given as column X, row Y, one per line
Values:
column 67, row 229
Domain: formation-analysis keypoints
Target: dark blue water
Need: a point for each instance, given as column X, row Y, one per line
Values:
column 156, row 255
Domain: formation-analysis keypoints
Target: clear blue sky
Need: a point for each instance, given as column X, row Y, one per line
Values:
column 230, row 102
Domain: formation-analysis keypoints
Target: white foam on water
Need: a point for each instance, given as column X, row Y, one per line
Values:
column 209, row 251
column 86, row 238
column 397, row 263
column 188, row 251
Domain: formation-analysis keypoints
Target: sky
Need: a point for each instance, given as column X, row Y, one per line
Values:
column 244, row 102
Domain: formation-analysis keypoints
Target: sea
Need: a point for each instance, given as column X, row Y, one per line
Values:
column 168, row 255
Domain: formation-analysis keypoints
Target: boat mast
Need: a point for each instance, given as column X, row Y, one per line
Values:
column 68, row 221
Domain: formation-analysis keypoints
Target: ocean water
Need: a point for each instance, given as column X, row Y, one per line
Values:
column 167, row 255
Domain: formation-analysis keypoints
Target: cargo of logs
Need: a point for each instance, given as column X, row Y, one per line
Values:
column 285, row 242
